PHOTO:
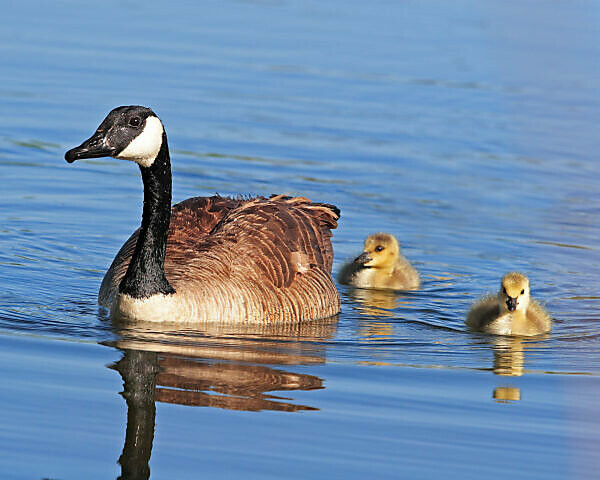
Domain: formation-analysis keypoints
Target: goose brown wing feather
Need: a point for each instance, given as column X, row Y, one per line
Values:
column 197, row 216
column 280, row 237
column 483, row 312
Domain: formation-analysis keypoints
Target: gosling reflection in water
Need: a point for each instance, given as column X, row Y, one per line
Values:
column 379, row 303
column 203, row 368
column 508, row 357
column 507, row 394
column 376, row 306
column 376, row 302
column 509, row 361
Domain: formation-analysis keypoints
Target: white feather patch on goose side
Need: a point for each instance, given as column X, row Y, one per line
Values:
column 157, row 308
column 300, row 261
column 145, row 147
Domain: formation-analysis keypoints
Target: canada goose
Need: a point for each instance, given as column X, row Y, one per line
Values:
column 213, row 259
column 381, row 265
column 511, row 311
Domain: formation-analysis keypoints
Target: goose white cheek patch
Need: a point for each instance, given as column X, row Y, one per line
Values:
column 145, row 147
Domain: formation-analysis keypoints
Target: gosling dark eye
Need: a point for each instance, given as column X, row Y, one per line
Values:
column 504, row 290
column 135, row 121
column 378, row 248
column 522, row 291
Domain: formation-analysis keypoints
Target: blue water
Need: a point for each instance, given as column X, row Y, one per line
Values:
column 467, row 129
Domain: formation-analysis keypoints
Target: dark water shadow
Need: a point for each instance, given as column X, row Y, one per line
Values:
column 228, row 367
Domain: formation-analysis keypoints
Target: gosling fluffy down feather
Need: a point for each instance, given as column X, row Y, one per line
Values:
column 511, row 311
column 381, row 265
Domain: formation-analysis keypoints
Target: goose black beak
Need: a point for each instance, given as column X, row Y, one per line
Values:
column 511, row 303
column 363, row 258
column 93, row 147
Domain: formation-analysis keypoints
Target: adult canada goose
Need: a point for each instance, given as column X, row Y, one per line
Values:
column 381, row 265
column 511, row 311
column 211, row 258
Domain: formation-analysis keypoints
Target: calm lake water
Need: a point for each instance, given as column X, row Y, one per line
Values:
column 468, row 129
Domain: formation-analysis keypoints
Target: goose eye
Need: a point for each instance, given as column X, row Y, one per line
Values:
column 135, row 121
column 378, row 248
column 504, row 290
column 522, row 291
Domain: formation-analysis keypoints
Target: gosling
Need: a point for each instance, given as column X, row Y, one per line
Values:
column 511, row 312
column 380, row 266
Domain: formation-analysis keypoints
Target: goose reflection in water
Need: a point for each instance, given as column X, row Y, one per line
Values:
column 226, row 367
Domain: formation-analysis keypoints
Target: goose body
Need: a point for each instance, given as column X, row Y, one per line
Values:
column 211, row 259
column 381, row 265
column 511, row 312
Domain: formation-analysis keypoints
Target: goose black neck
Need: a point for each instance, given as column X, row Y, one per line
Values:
column 146, row 274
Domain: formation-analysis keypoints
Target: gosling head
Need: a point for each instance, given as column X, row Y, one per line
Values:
column 130, row 133
column 381, row 250
column 514, row 292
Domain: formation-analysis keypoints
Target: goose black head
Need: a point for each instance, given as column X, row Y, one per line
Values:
column 130, row 133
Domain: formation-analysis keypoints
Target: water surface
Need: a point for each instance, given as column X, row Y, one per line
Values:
column 466, row 129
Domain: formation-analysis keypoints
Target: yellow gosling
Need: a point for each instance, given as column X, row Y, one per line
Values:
column 511, row 311
column 381, row 265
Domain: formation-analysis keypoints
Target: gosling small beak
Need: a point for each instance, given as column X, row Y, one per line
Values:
column 363, row 258
column 93, row 147
column 511, row 303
